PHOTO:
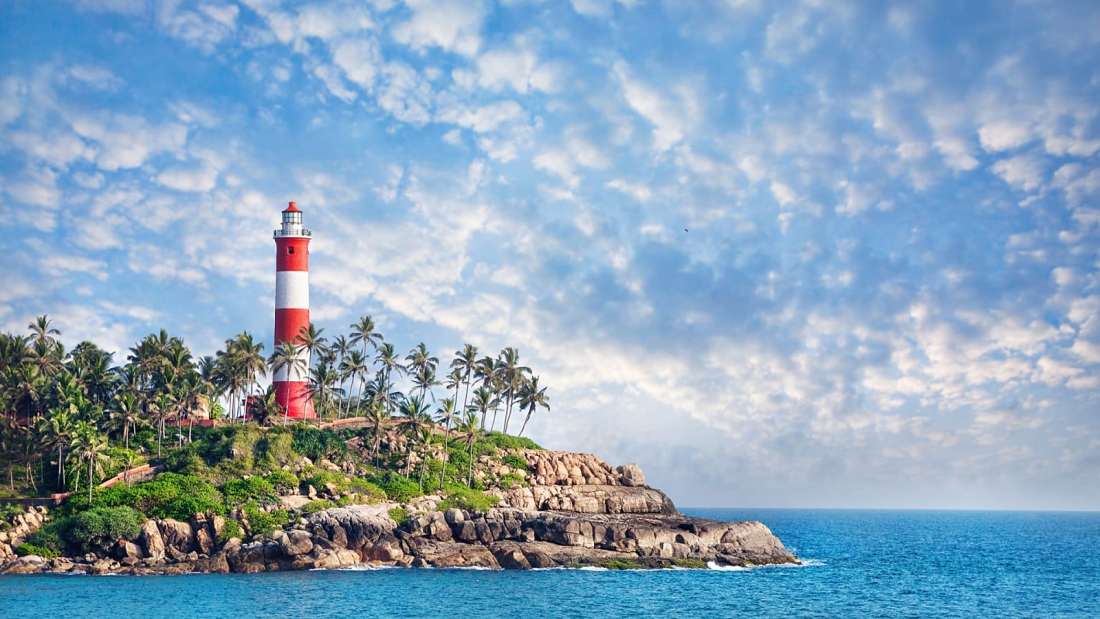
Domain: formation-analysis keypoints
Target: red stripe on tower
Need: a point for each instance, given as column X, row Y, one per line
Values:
column 292, row 309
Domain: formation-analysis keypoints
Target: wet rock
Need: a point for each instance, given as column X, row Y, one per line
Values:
column 176, row 534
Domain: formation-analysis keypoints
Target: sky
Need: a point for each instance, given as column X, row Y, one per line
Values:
column 792, row 254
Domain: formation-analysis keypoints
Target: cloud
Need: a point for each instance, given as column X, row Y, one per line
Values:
column 670, row 118
column 451, row 25
column 1023, row 172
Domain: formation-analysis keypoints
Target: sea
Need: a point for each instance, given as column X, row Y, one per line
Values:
column 856, row 563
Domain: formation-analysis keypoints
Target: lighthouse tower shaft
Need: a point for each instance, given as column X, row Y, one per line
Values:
column 292, row 311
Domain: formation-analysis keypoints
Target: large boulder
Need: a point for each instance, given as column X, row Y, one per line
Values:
column 294, row 543
column 178, row 535
column 151, row 540
column 631, row 475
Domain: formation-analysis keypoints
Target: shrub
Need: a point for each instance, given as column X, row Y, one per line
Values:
column 276, row 448
column 265, row 523
column 398, row 487
column 170, row 495
column 241, row 491
column 399, row 515
column 187, row 461
column 512, row 480
column 284, row 482
column 317, row 444
column 365, row 488
column 49, row 537
column 99, row 527
column 25, row 549
column 320, row 478
column 507, row 441
column 318, row 505
column 468, row 499
column 231, row 529
column 515, row 461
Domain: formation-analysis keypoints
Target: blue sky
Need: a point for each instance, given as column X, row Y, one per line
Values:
column 779, row 254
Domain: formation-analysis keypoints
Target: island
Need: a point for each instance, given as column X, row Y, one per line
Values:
column 139, row 468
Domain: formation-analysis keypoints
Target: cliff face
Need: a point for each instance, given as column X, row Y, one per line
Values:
column 576, row 511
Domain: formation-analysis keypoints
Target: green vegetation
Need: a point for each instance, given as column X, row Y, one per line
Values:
column 399, row 514
column 262, row 522
column 695, row 564
column 318, row 505
column 621, row 564
column 70, row 419
column 26, row 549
column 468, row 499
column 231, row 529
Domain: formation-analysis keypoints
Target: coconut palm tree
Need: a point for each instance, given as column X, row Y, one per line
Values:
column 419, row 360
column 445, row 414
column 489, row 374
column 387, row 359
column 532, row 396
column 378, row 416
column 287, row 355
column 484, row 399
column 465, row 364
column 470, row 432
column 512, row 375
column 125, row 412
column 363, row 332
column 322, row 385
column 58, row 429
column 310, row 338
column 88, row 446
column 160, row 410
column 425, row 379
column 353, row 365
column 416, row 415
column 42, row 330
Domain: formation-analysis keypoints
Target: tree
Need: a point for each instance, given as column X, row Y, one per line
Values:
column 484, row 399
column 289, row 356
column 322, row 385
column 512, row 375
column 465, row 367
column 363, row 333
column 125, row 412
column 416, row 416
column 379, row 417
column 422, row 365
column 531, row 396
column 445, row 414
column 88, row 446
column 386, row 357
column 470, row 432
column 353, row 365
column 42, row 330
column 310, row 338
column 488, row 374
column 59, row 426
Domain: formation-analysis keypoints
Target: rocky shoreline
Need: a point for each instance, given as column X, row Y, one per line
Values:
column 576, row 511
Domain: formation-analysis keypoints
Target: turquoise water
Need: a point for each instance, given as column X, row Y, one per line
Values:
column 861, row 563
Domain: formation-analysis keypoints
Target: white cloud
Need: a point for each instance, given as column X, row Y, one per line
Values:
column 359, row 59
column 451, row 25
column 1023, row 172
column 638, row 191
column 126, row 141
column 485, row 118
column 191, row 177
column 671, row 118
column 1004, row 135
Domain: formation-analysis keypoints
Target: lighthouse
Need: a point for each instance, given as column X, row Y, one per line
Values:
column 292, row 310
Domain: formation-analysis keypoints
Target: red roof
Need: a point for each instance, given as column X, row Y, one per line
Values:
column 293, row 208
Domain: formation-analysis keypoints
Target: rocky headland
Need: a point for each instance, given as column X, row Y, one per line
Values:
column 566, row 510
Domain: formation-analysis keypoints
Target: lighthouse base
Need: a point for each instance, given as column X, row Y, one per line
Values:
column 295, row 398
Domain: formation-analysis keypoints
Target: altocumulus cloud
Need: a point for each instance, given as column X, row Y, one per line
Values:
column 779, row 253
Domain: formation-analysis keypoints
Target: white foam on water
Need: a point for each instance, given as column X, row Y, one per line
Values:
column 592, row 568
column 711, row 565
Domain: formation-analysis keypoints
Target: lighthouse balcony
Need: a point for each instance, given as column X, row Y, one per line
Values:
column 292, row 231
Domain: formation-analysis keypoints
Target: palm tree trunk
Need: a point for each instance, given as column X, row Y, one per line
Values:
column 91, row 462
column 525, row 420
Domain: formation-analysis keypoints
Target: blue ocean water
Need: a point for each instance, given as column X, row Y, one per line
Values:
column 860, row 563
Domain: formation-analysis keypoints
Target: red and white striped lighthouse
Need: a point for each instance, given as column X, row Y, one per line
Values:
column 292, row 309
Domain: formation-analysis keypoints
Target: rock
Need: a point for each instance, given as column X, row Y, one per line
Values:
column 216, row 563
column 293, row 501
column 177, row 534
column 29, row 564
column 454, row 516
column 204, row 541
column 125, row 549
column 631, row 475
column 332, row 559
column 387, row 550
column 104, row 566
column 357, row 525
column 295, row 543
column 451, row 554
column 510, row 557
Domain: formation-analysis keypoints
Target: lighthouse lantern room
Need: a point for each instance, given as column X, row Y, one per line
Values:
column 292, row 311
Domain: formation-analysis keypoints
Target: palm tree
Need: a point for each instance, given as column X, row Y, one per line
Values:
column 531, row 396
column 425, row 379
column 420, row 360
column 363, row 332
column 387, row 359
column 445, row 413
column 322, row 385
column 310, row 338
column 42, row 330
column 470, row 432
column 484, row 399
column 465, row 366
column 287, row 355
column 488, row 373
column 379, row 416
column 126, row 413
column 160, row 410
column 267, row 406
column 512, row 374
column 416, row 416
column 353, row 365
column 59, row 429
column 88, row 445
